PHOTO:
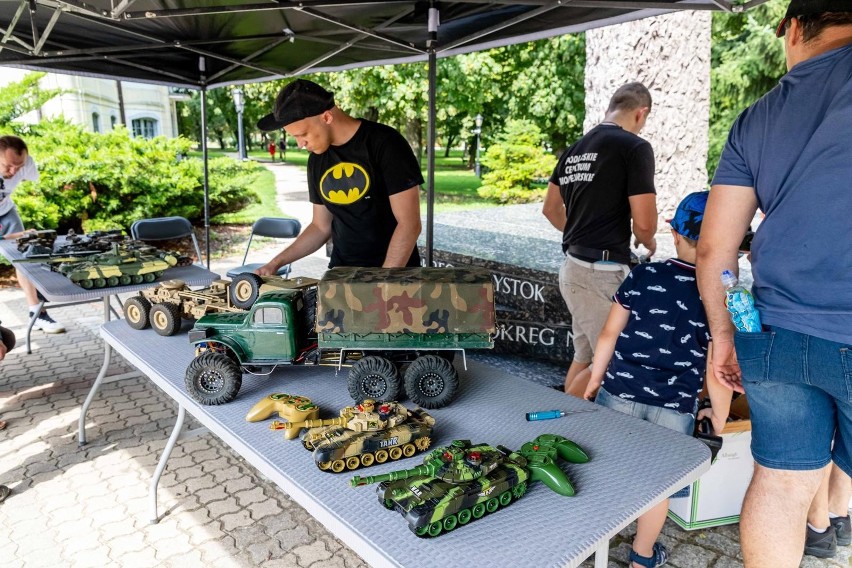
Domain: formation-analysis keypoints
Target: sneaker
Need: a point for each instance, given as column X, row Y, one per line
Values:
column 821, row 545
column 658, row 558
column 842, row 530
column 47, row 324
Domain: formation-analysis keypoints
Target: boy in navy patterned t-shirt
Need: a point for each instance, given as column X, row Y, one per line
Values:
column 651, row 356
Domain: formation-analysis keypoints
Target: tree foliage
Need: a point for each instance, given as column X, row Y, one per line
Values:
column 20, row 97
column 539, row 81
column 91, row 181
column 747, row 60
column 516, row 163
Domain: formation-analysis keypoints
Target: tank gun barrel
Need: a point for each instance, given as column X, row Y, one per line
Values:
column 339, row 421
column 54, row 259
column 392, row 476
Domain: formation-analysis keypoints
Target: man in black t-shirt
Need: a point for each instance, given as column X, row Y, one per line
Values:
column 601, row 183
column 363, row 180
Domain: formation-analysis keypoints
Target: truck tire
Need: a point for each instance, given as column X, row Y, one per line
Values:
column 165, row 318
column 136, row 312
column 213, row 378
column 245, row 288
column 374, row 377
column 431, row 381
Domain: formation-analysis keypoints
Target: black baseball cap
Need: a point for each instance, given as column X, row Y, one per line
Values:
column 809, row 8
column 299, row 99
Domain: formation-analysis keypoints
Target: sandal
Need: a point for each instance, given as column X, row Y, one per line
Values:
column 4, row 492
column 2, row 424
column 658, row 558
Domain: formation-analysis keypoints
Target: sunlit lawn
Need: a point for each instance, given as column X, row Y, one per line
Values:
column 455, row 183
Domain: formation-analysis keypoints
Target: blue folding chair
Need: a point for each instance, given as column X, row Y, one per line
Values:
column 274, row 227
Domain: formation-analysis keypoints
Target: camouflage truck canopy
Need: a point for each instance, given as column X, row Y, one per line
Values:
column 398, row 300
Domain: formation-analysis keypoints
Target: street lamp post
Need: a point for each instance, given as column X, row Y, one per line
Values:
column 240, row 104
column 478, row 131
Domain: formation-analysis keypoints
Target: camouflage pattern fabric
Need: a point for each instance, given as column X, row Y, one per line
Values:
column 399, row 300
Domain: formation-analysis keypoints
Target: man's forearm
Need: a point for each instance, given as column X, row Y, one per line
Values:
column 310, row 240
column 401, row 245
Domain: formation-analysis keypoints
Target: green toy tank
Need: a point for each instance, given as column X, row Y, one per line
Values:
column 119, row 266
column 462, row 482
column 368, row 433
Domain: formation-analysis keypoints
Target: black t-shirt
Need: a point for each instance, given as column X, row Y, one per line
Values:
column 355, row 181
column 596, row 175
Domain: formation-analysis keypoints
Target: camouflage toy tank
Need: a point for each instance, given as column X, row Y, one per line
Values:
column 117, row 267
column 364, row 434
column 462, row 482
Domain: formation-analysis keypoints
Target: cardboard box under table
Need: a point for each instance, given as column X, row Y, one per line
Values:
column 716, row 498
column 625, row 477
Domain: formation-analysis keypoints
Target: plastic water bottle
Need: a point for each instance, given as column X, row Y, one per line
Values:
column 740, row 303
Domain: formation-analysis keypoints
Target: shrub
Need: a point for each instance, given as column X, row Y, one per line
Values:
column 517, row 164
column 95, row 181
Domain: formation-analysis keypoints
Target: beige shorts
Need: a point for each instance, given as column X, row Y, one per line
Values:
column 587, row 289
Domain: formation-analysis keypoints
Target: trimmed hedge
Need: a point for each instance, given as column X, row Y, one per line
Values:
column 95, row 181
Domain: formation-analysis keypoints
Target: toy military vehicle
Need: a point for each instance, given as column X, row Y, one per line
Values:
column 462, row 482
column 364, row 434
column 163, row 307
column 36, row 243
column 374, row 319
column 119, row 266
column 116, row 267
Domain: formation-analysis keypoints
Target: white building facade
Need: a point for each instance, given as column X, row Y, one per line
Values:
column 95, row 104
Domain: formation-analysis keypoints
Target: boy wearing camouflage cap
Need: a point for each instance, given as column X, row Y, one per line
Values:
column 650, row 359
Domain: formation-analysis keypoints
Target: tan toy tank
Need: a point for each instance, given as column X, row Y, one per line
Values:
column 367, row 433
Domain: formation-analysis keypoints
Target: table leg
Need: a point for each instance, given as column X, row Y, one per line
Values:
column 33, row 318
column 602, row 555
column 81, row 425
column 161, row 466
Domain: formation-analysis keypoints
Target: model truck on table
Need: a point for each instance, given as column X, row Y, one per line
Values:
column 378, row 320
column 165, row 306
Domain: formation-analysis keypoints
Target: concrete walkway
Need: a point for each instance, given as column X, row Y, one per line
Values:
column 73, row 507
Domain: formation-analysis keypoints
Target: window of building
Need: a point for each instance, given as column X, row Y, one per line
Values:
column 112, row 121
column 96, row 122
column 144, row 127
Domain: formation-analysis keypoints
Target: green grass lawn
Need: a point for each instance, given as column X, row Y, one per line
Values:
column 267, row 207
column 455, row 184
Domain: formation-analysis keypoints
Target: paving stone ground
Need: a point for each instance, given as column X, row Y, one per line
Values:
column 81, row 507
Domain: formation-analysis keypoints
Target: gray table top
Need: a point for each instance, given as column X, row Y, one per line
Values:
column 634, row 464
column 57, row 288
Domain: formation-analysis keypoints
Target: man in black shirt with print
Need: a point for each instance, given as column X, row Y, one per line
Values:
column 601, row 183
column 363, row 180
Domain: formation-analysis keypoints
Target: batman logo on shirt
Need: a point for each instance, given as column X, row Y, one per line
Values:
column 344, row 183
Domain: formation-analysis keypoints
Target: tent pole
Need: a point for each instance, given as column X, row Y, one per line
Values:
column 431, row 44
column 201, row 67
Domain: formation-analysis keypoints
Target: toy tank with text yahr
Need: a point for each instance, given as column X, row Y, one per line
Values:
column 367, row 433
column 462, row 482
column 117, row 267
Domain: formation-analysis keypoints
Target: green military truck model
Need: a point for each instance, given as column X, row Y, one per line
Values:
column 379, row 321
column 164, row 307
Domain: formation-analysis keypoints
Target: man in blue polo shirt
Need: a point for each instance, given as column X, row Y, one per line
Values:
column 789, row 155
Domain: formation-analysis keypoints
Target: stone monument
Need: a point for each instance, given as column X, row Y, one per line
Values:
column 670, row 54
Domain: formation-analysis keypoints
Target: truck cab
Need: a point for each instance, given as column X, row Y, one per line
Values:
column 266, row 334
